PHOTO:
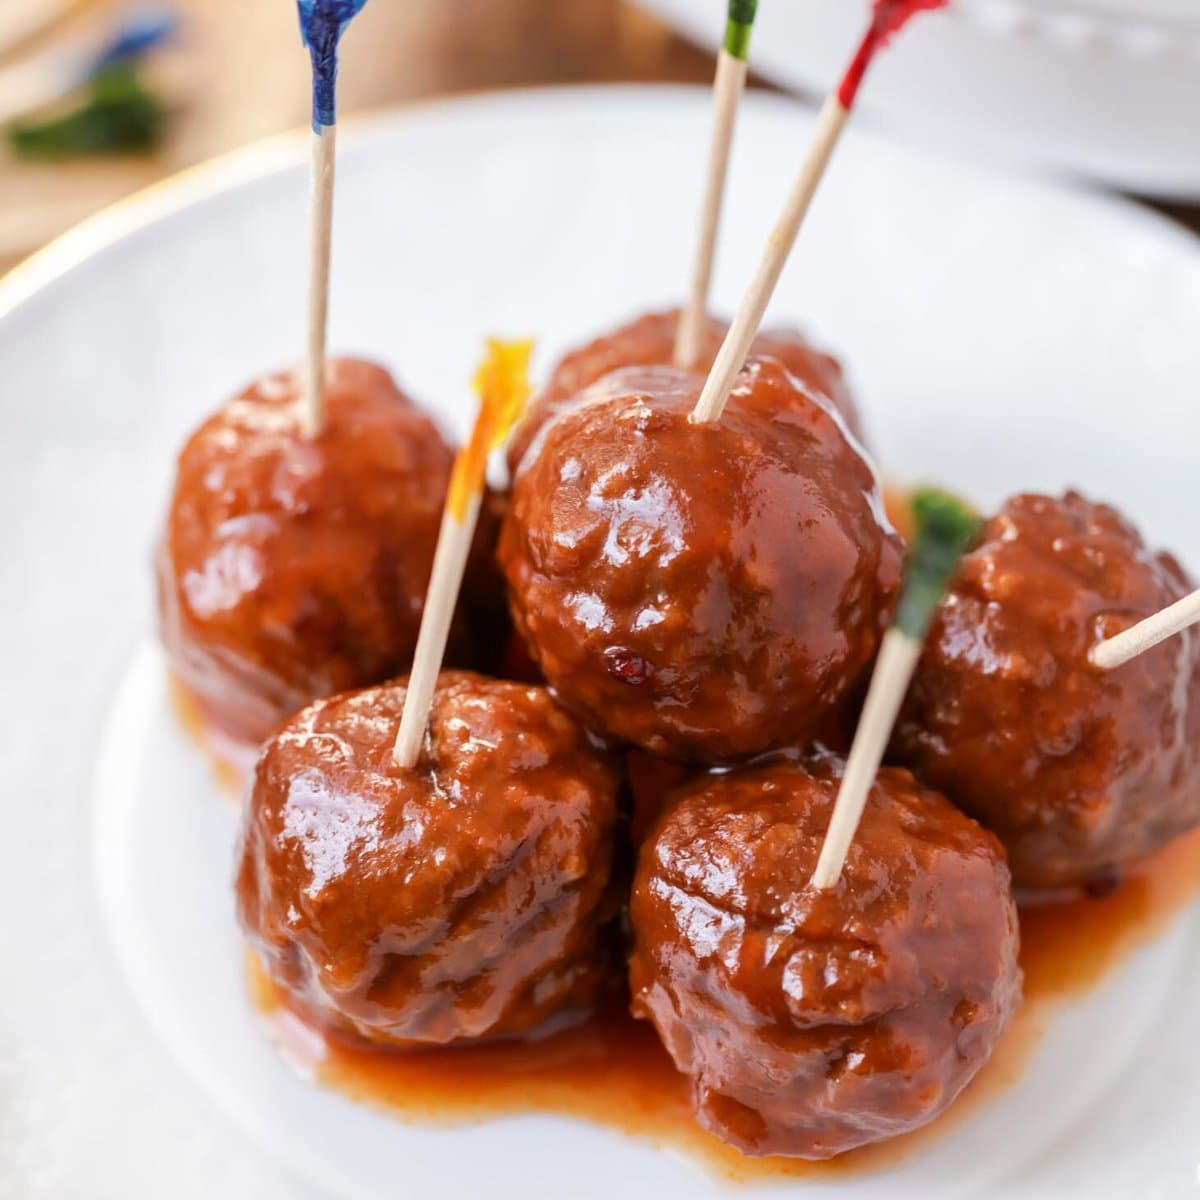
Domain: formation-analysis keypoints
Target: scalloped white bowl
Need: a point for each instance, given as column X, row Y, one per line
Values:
column 1106, row 90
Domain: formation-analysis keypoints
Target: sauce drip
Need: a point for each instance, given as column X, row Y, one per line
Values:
column 614, row 1072
column 230, row 760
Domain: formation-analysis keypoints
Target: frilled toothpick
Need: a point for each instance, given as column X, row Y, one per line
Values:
column 89, row 84
column 728, row 86
column 945, row 529
column 888, row 18
column 322, row 23
column 502, row 384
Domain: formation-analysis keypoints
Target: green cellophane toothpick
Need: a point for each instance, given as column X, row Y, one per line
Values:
column 739, row 26
column 113, row 114
column 945, row 528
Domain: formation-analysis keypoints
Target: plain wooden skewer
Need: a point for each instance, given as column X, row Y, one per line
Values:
column 324, row 159
column 889, row 683
column 945, row 527
column 893, row 673
column 729, row 85
column 504, row 390
column 449, row 565
column 1145, row 635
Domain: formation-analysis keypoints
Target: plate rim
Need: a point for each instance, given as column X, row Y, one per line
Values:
column 279, row 152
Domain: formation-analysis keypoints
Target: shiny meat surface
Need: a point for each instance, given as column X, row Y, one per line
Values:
column 1076, row 770
column 701, row 591
column 468, row 898
column 649, row 341
column 293, row 568
column 814, row 1022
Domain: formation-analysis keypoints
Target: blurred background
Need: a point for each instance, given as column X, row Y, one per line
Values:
column 1084, row 86
column 232, row 71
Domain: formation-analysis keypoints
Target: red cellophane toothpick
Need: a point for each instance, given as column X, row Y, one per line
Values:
column 887, row 19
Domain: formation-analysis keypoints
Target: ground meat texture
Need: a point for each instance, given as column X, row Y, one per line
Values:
column 467, row 898
column 1077, row 770
column 701, row 591
column 293, row 568
column 810, row 1023
column 649, row 341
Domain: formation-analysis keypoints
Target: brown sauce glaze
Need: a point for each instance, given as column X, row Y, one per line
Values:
column 614, row 1072
column 468, row 896
column 1070, row 946
column 294, row 567
column 813, row 1023
column 704, row 592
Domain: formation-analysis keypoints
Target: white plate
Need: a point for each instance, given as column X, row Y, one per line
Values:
column 1003, row 335
column 1104, row 89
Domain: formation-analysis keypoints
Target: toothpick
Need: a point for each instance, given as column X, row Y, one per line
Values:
column 736, row 345
column 502, row 383
column 320, row 239
column 945, row 529
column 728, row 86
column 322, row 23
column 888, row 18
column 1147, row 634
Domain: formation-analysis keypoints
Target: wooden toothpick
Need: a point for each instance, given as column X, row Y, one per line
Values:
column 888, row 18
column 728, row 86
column 945, row 528
column 753, row 306
column 324, row 158
column 1145, row 635
column 322, row 23
column 503, row 386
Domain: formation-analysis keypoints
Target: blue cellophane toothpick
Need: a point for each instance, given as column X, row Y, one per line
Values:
column 142, row 31
column 322, row 23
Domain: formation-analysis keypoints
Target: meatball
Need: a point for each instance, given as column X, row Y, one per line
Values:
column 469, row 897
column 813, row 1022
column 293, row 568
column 706, row 591
column 1076, row 770
column 650, row 341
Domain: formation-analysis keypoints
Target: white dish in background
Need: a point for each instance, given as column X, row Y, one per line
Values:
column 1002, row 335
column 1103, row 89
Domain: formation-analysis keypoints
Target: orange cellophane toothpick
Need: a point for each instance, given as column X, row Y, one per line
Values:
column 502, row 384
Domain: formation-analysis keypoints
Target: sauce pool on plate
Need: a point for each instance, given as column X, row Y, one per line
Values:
column 614, row 1072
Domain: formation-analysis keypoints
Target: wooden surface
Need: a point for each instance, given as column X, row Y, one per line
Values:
column 239, row 74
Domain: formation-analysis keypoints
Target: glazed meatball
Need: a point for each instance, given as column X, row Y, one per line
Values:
column 291, row 567
column 1077, row 770
column 701, row 591
column 813, row 1022
column 649, row 341
column 467, row 898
